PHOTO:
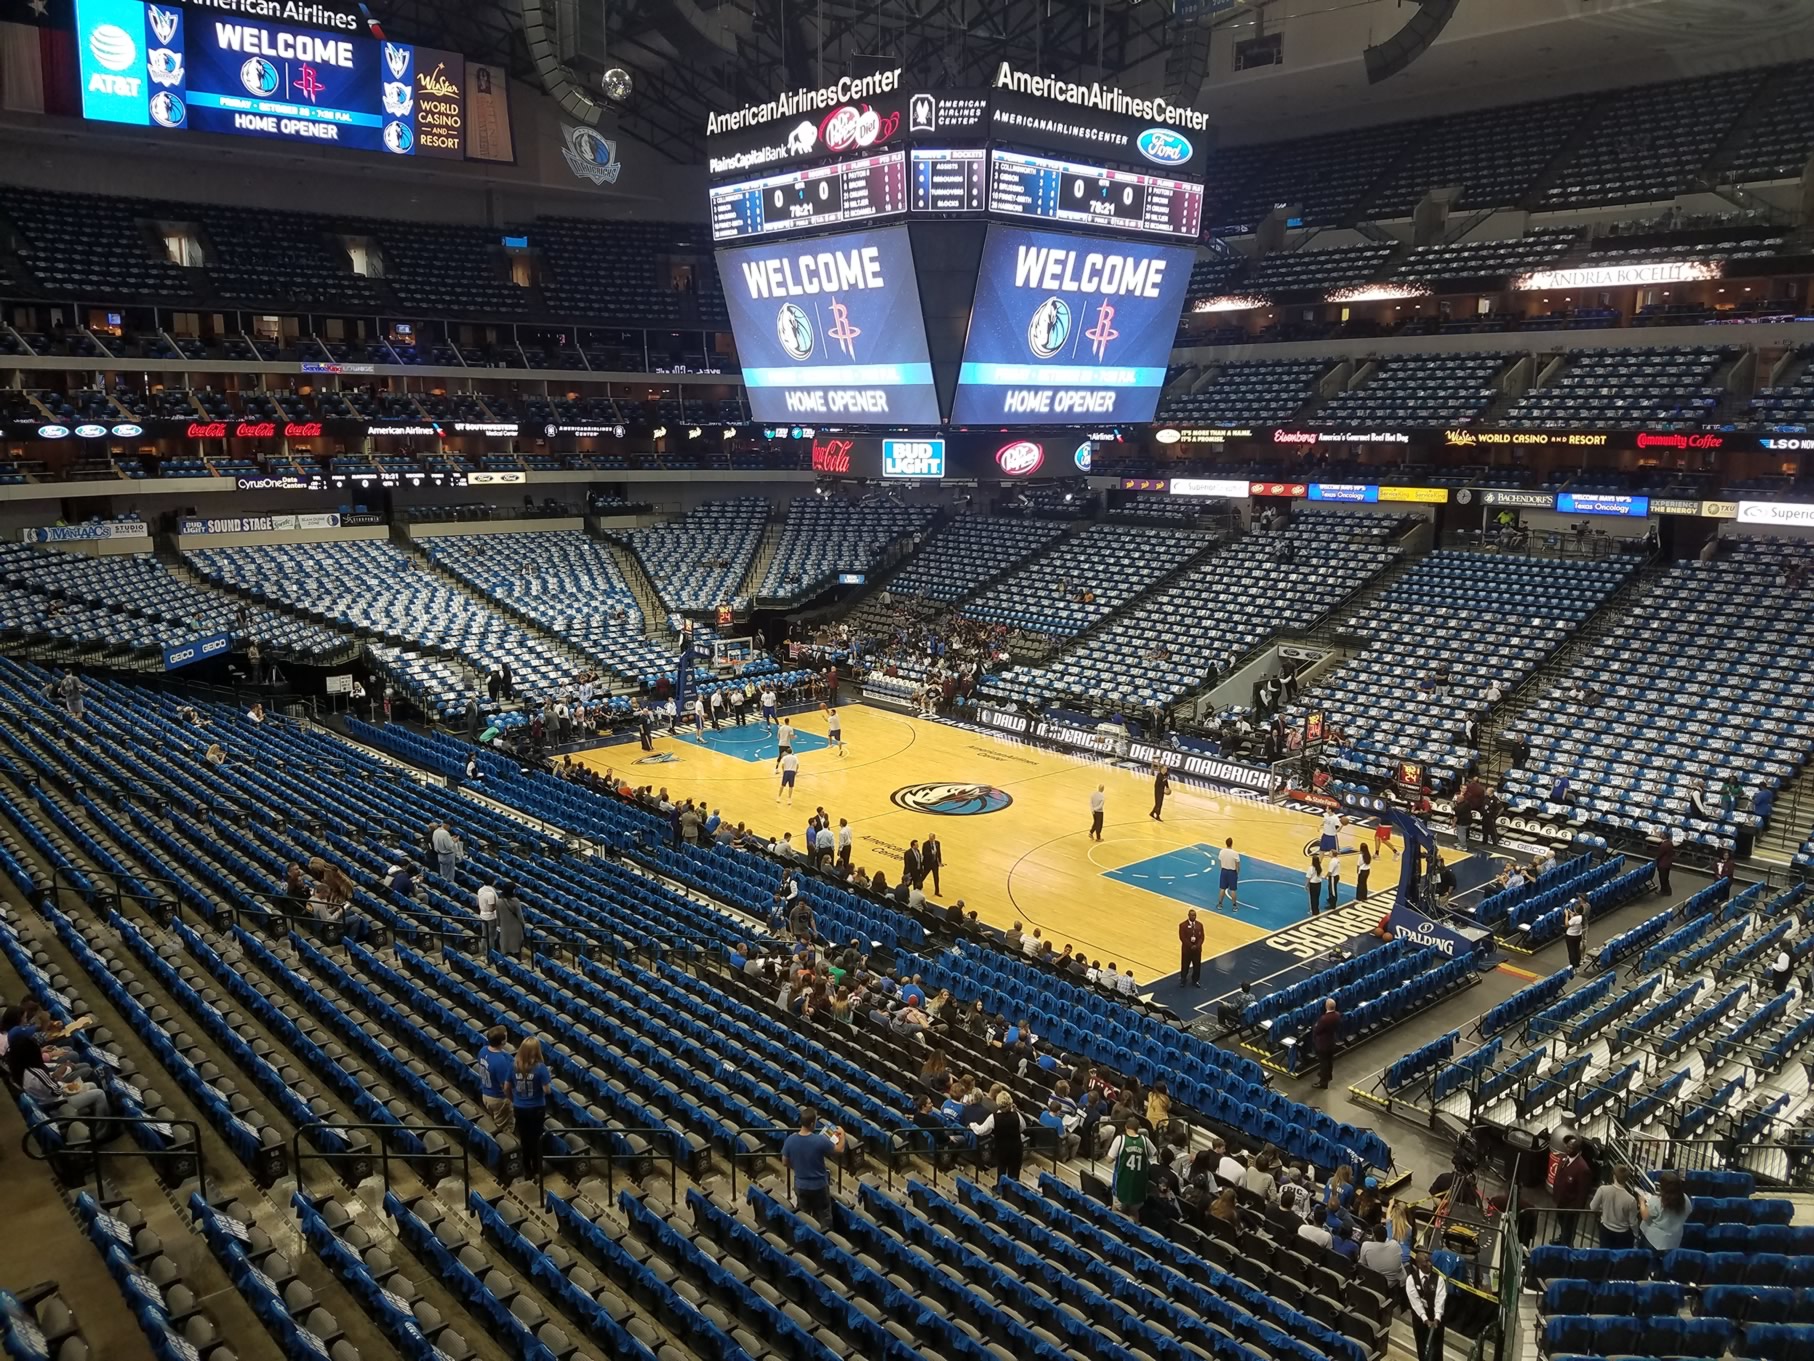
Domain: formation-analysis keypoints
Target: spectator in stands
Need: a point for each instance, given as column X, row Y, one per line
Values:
column 510, row 922
column 1002, row 1127
column 1428, row 1293
column 70, row 1098
column 1320, row 1229
column 1574, row 929
column 1617, row 1209
column 485, row 902
column 1379, row 1253
column 529, row 1079
column 1126, row 986
column 1726, row 867
column 1032, row 945
column 441, row 841
column 1324, row 1035
column 1664, row 1214
column 1158, row 1107
column 1230, row 1170
column 1131, row 1157
column 1226, row 1209
column 1782, row 968
column 1262, row 1178
column 805, row 1152
column 496, row 1063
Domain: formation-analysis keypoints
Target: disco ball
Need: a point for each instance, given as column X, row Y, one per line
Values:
column 617, row 84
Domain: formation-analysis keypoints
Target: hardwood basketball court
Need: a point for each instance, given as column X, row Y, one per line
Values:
column 1016, row 829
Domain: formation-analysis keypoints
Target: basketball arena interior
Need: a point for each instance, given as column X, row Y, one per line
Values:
column 887, row 679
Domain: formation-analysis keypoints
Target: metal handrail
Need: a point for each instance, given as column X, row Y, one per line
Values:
column 32, row 1145
column 456, row 1140
column 660, row 1147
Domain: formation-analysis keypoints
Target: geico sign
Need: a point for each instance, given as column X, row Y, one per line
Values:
column 181, row 655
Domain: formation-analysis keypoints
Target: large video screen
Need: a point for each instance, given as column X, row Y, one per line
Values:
column 163, row 66
column 830, row 329
column 1067, row 329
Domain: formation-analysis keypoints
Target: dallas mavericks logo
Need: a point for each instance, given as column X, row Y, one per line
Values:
column 164, row 66
column 398, row 139
column 1050, row 327
column 397, row 58
column 397, row 98
column 660, row 758
column 794, row 329
column 164, row 22
column 167, row 111
column 590, row 156
column 258, row 76
column 951, row 800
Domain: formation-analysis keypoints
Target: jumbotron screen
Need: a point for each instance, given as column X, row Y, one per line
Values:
column 162, row 66
column 1067, row 329
column 831, row 329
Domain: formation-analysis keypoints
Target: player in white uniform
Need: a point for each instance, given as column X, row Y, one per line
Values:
column 790, row 767
column 834, row 729
column 784, row 741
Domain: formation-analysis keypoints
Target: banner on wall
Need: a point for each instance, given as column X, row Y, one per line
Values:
column 105, row 529
column 488, row 135
column 179, row 655
column 259, row 524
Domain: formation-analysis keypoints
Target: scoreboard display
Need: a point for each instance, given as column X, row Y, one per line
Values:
column 823, row 196
column 1068, row 329
column 165, row 66
column 830, row 329
column 1045, row 242
column 1077, row 194
column 948, row 180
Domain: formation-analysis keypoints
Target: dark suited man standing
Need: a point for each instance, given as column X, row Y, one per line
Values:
column 1162, row 785
column 932, row 859
column 1190, row 950
column 911, row 872
column 1323, row 1038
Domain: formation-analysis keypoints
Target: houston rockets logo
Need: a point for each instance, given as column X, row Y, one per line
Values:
column 309, row 85
column 1100, row 334
column 842, row 330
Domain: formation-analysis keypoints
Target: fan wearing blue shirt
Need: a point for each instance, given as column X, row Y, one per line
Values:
column 496, row 1064
column 805, row 1152
column 529, row 1082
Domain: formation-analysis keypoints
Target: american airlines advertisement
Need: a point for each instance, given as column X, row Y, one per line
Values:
column 1069, row 329
column 830, row 330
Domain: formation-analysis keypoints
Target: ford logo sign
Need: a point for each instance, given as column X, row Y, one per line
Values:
column 1020, row 458
column 53, row 432
column 127, row 430
column 90, row 431
column 1162, row 146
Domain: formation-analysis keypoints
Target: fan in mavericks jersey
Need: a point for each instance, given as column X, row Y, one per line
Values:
column 1132, row 1156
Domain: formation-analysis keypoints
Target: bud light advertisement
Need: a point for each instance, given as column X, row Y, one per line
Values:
column 830, row 330
column 1068, row 329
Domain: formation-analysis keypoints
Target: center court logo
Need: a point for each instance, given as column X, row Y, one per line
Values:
column 660, row 758
column 951, row 800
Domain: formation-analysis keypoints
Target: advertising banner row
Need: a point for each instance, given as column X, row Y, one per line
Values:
column 1479, row 440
